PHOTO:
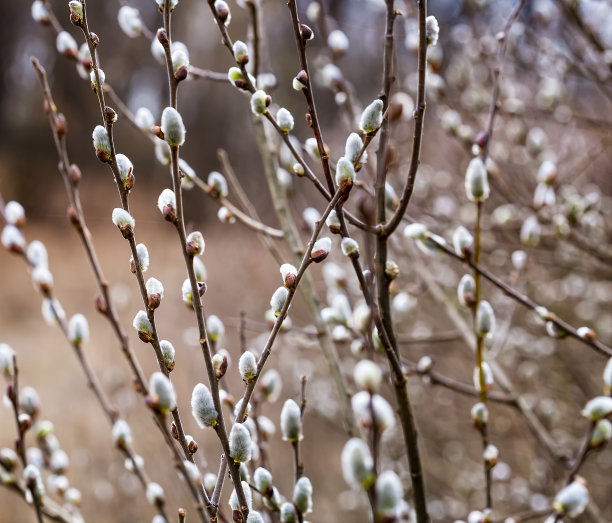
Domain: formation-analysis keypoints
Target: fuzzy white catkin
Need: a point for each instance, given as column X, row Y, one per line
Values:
column 12, row 238
column 572, row 499
column 598, row 408
column 219, row 183
column 198, row 239
column 166, row 197
column 263, row 479
column 144, row 119
column 485, row 319
column 357, row 464
column 65, row 43
column 291, row 421
column 143, row 256
column 122, row 434
column 254, row 517
column 124, row 165
column 168, row 353
column 383, row 413
column 287, row 513
column 14, row 213
column 129, row 21
column 285, row 120
column 122, row 218
column 161, row 387
column 371, row 118
column 247, row 365
column 203, row 407
column 338, row 42
column 101, row 141
column 271, row 385
column 345, row 172
column 240, row 443
column 172, row 126
column 142, row 324
column 607, row 377
column 215, row 328
column 37, row 254
column 476, row 181
column 389, row 492
column 154, row 286
column 155, row 493
column 6, row 360
column 78, row 329
column 302, row 495
column 259, row 102
column 368, row 375
column 278, row 300
column 233, row 499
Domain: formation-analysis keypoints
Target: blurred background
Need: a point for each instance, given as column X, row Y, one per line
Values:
column 555, row 105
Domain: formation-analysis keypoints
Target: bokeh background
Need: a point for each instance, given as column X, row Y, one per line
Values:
column 553, row 81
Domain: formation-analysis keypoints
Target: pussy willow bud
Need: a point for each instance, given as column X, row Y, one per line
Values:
column 270, row 385
column 42, row 279
column 371, row 118
column 488, row 376
column 34, row 482
column 263, row 479
column 12, row 239
column 7, row 355
column 607, row 377
column 291, row 421
column 220, row 364
column 39, row 13
column 300, row 81
column 462, row 241
column 144, row 119
column 233, row 500
column 8, row 459
column 598, row 408
column 129, row 21
column 217, row 184
column 195, row 243
column 466, row 291
column 241, row 52
column 416, row 231
column 432, row 30
column 333, row 222
column 490, row 455
column 530, row 231
column 350, row 248
column 94, row 81
column 203, row 407
column 476, row 181
column 338, row 42
column 572, row 499
column 352, row 148
column 289, row 275
column 166, row 203
column 155, row 494
column 101, row 144
column 260, row 102
column 215, row 328
column 161, row 3
column 363, row 404
column 126, row 171
column 14, row 213
column 547, row 173
column 29, row 402
column 237, row 79
column 162, row 393
column 357, row 464
column 247, row 366
column 345, row 172
column 155, row 292
column 179, row 59
column 287, row 513
column 240, row 443
column 367, row 375
column 302, row 495
column 320, row 249
column 485, row 319
column 285, row 120
column 602, row 434
column 424, row 365
column 142, row 324
column 389, row 493
column 223, row 12
column 78, row 330
column 172, row 126
column 586, row 332
column 66, row 44
column 168, row 353
column 122, row 435
column 124, row 221
column 143, row 257
column 278, row 300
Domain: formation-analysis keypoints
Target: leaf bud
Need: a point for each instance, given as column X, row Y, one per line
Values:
column 240, row 443
column 203, row 407
column 371, row 118
column 172, row 126
column 142, row 324
column 306, row 33
column 291, row 421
